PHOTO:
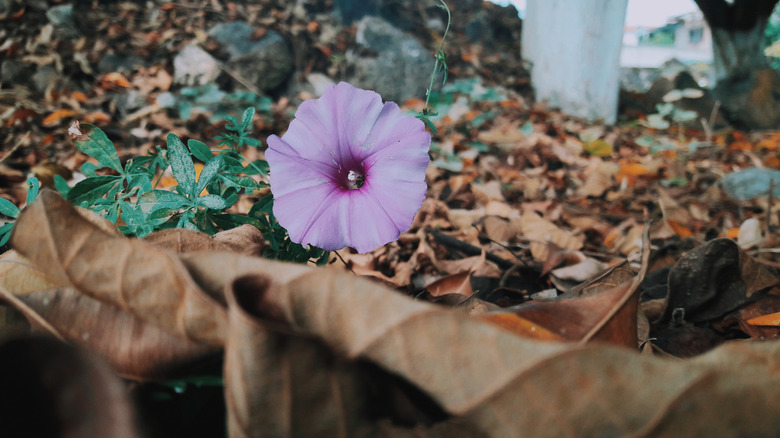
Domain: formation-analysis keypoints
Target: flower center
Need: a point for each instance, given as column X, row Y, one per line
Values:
column 355, row 180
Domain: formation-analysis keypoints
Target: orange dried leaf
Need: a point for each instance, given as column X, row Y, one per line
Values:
column 97, row 117
column 631, row 173
column 634, row 170
column 679, row 229
column 740, row 146
column 520, row 326
column 773, row 162
column 772, row 319
column 512, row 104
column 47, row 140
column 55, row 117
column 78, row 96
column 114, row 80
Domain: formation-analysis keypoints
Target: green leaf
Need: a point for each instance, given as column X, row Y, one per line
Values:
column 88, row 191
column 181, row 165
column 213, row 202
column 227, row 221
column 88, row 169
column 233, row 164
column 208, row 173
column 200, row 150
column 257, row 167
column 61, row 185
column 141, row 181
column 160, row 217
column 253, row 142
column 246, row 119
column 33, row 185
column 94, row 143
column 159, row 199
column 8, row 208
column 5, row 231
column 240, row 182
column 264, row 206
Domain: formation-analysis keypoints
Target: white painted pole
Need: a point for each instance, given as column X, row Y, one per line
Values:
column 574, row 49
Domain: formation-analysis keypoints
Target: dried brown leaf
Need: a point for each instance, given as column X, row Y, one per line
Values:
column 148, row 282
column 426, row 345
column 133, row 347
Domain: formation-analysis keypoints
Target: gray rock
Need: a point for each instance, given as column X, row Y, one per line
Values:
column 352, row 10
column 113, row 63
column 401, row 68
column 5, row 7
column 194, row 66
column 14, row 72
column 45, row 77
column 61, row 17
column 129, row 101
column 265, row 62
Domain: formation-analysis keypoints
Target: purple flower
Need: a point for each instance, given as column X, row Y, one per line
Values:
column 349, row 171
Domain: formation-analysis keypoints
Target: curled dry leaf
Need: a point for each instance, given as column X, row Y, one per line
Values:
column 54, row 390
column 148, row 282
column 271, row 374
column 245, row 239
column 581, row 390
column 134, row 348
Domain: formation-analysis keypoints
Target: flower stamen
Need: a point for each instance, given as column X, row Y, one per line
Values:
column 355, row 180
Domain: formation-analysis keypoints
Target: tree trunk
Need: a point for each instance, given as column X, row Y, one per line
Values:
column 737, row 34
column 574, row 50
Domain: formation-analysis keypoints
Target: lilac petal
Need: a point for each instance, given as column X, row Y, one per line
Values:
column 397, row 182
column 328, row 129
column 303, row 213
column 336, row 220
column 289, row 172
column 390, row 127
column 369, row 224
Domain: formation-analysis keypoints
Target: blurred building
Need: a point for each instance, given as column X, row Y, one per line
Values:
column 685, row 38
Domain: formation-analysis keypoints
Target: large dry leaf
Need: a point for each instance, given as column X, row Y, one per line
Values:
column 577, row 389
column 134, row 348
column 270, row 376
column 50, row 389
column 148, row 282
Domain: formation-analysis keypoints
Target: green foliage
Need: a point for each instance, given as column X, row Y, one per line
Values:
column 7, row 208
column 772, row 35
column 211, row 99
column 197, row 202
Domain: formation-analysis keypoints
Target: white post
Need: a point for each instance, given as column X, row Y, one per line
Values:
column 574, row 50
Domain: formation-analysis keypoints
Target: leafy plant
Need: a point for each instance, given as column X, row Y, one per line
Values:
column 198, row 201
column 8, row 208
column 209, row 98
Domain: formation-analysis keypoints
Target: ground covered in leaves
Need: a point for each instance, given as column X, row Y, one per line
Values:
column 537, row 226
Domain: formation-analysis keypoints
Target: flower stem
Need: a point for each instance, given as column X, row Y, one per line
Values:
column 439, row 59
